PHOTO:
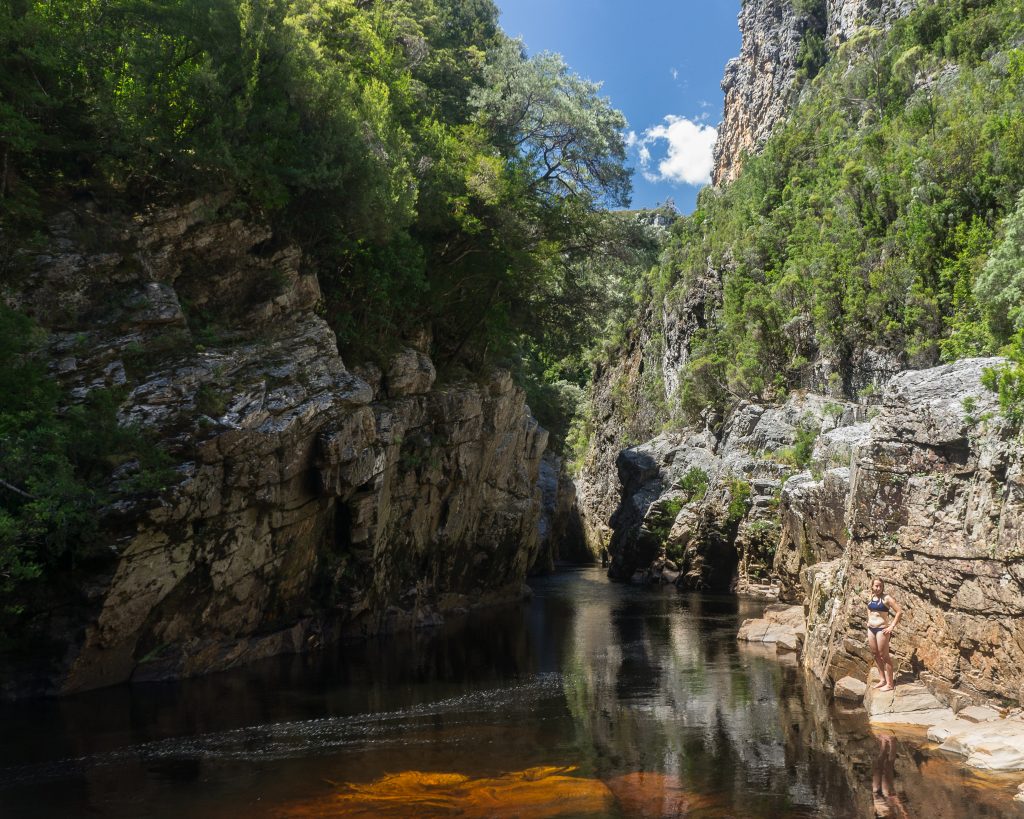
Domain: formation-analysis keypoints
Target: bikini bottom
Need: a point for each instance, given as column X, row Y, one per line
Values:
column 876, row 629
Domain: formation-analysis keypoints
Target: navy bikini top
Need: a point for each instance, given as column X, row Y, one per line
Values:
column 876, row 604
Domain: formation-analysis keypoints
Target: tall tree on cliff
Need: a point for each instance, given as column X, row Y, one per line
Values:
column 536, row 199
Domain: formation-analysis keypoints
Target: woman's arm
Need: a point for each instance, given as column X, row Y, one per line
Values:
column 898, row 613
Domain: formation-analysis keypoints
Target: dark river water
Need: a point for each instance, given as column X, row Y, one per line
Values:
column 592, row 699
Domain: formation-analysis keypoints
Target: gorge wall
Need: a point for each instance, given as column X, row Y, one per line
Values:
column 924, row 488
column 858, row 470
column 932, row 501
column 309, row 501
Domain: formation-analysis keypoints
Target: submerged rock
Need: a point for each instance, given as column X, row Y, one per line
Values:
column 782, row 626
column 993, row 745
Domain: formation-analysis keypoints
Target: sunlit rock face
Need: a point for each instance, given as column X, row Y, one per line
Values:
column 308, row 501
column 935, row 509
column 760, row 84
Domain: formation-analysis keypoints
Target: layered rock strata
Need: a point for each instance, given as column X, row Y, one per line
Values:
column 308, row 501
column 713, row 500
column 928, row 495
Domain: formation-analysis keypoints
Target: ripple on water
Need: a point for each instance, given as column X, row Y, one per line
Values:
column 285, row 740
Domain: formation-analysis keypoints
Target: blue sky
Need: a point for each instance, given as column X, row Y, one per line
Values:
column 661, row 64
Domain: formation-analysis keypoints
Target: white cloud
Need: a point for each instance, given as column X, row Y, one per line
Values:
column 689, row 156
column 631, row 139
column 675, row 73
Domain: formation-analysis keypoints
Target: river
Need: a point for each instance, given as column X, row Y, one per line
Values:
column 592, row 699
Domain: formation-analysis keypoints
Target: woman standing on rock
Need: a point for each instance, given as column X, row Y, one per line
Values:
column 880, row 606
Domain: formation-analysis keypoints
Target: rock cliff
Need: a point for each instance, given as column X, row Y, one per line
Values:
column 926, row 493
column 624, row 410
column 712, row 499
column 310, row 501
column 934, row 505
column 762, row 83
column 845, row 17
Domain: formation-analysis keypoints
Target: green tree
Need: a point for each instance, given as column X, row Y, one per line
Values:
column 999, row 288
column 567, row 138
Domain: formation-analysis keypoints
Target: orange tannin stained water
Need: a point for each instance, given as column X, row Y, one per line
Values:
column 649, row 795
column 531, row 794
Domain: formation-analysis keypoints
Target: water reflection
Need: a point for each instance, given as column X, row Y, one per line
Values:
column 627, row 702
column 886, row 801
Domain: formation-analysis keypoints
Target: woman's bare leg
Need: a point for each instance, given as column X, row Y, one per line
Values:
column 886, row 661
column 877, row 654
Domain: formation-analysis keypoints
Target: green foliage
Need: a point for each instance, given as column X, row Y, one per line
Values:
column 739, row 500
column 434, row 176
column 568, row 139
column 813, row 54
column 833, row 410
column 799, row 454
column 999, row 288
column 1007, row 381
column 868, row 219
column 762, row 541
column 809, row 8
column 661, row 516
column 970, row 405
column 694, row 483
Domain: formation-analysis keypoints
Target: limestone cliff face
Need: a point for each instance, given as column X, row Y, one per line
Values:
column 760, row 84
column 934, row 505
column 309, row 502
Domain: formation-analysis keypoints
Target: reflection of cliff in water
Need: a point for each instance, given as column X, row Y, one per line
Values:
column 672, row 692
column 643, row 698
column 661, row 685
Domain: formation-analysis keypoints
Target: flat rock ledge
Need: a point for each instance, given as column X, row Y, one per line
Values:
column 996, row 744
column 988, row 739
column 781, row 625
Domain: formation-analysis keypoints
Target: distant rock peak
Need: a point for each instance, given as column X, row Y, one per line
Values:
column 760, row 84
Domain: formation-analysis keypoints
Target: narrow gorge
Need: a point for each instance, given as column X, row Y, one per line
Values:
column 348, row 413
